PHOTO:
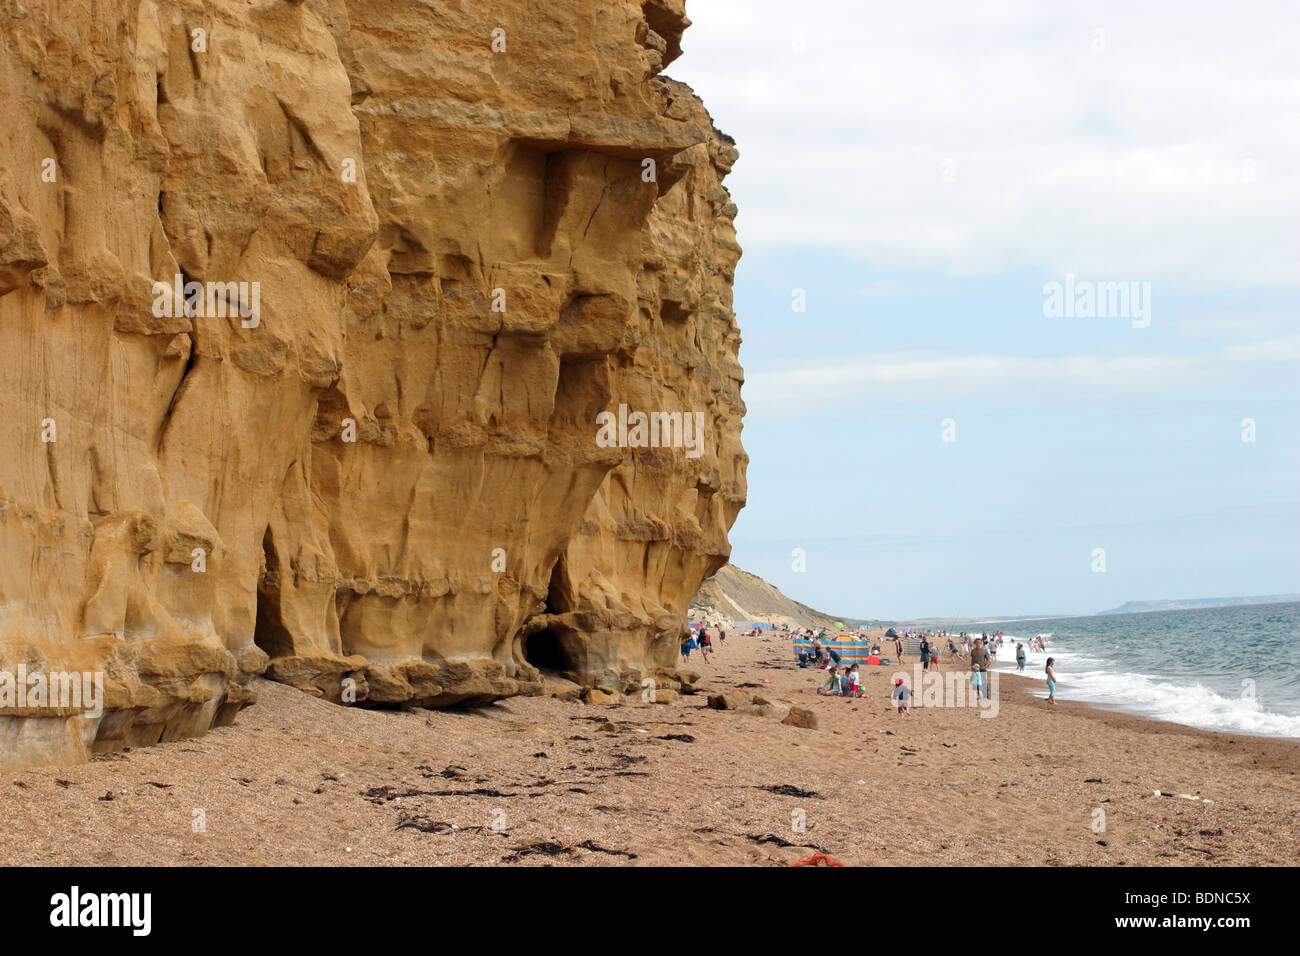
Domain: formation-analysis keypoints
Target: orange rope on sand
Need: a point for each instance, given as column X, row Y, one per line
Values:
column 817, row 859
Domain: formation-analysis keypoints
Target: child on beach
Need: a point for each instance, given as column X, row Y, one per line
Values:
column 833, row 686
column 853, row 688
column 902, row 696
column 1020, row 658
column 1051, row 681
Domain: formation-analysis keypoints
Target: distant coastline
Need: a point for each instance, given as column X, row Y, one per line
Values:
column 1188, row 604
column 1128, row 607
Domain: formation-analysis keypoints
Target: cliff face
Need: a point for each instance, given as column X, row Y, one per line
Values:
column 375, row 470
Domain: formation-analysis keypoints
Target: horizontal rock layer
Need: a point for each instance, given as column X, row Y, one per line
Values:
column 311, row 310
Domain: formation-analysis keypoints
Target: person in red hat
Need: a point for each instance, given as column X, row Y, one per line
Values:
column 902, row 696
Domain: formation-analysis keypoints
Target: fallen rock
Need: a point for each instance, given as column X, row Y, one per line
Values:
column 731, row 700
column 597, row 697
column 801, row 717
column 562, row 689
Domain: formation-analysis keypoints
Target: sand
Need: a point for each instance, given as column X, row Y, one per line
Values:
column 537, row 781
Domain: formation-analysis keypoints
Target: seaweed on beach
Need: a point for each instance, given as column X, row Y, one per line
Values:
column 450, row 772
column 545, row 847
column 550, row 848
column 426, row 824
column 596, row 848
column 787, row 790
column 778, row 841
column 381, row 795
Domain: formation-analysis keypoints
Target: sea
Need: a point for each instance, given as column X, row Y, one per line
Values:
column 1226, row 668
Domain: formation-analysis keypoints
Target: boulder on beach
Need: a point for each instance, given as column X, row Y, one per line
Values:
column 801, row 717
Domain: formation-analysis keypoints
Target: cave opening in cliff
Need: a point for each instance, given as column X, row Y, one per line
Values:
column 545, row 652
column 269, row 632
column 556, row 648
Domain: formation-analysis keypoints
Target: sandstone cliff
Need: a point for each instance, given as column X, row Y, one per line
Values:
column 373, row 470
column 732, row 594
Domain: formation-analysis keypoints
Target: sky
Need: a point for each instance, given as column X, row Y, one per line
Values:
column 930, row 435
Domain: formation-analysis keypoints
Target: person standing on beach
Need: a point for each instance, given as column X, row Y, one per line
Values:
column 898, row 647
column 979, row 665
column 925, row 655
column 1051, row 681
column 902, row 696
column 722, row 636
column 1020, row 658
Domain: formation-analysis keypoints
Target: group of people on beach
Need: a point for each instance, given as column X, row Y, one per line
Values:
column 980, row 652
column 701, row 641
column 844, row 679
column 958, row 645
column 819, row 653
column 845, row 684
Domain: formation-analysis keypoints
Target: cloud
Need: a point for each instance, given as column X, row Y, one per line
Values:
column 877, row 378
column 1111, row 140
